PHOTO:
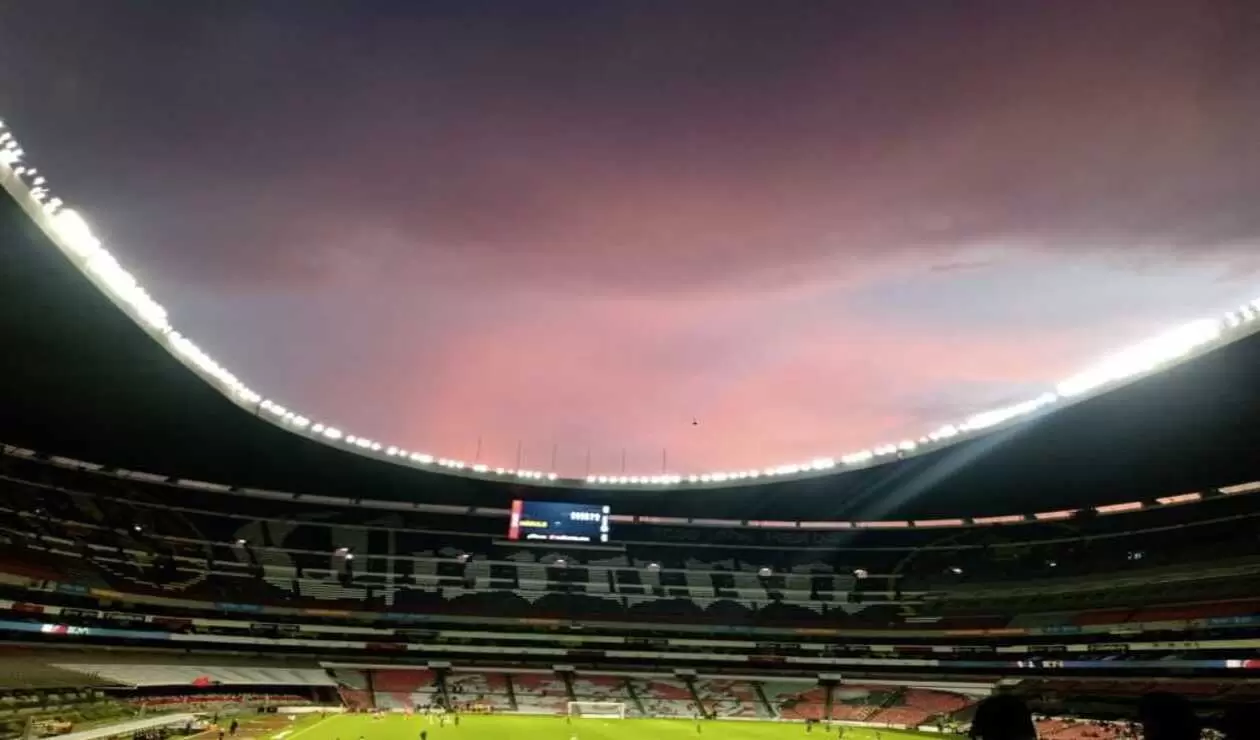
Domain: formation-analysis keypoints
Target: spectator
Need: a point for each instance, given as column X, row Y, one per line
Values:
column 1003, row 717
column 1168, row 716
column 1241, row 721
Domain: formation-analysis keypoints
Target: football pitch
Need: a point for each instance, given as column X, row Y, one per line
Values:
column 510, row 727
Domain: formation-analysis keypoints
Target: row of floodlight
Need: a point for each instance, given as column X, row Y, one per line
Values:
column 76, row 236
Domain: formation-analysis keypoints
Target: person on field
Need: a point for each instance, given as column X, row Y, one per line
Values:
column 1168, row 716
column 1003, row 717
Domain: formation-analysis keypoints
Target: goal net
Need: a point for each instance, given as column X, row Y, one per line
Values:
column 602, row 709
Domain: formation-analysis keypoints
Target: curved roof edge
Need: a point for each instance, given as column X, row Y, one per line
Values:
column 65, row 228
column 1115, row 509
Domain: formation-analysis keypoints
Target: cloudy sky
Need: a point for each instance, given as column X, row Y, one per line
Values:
column 810, row 226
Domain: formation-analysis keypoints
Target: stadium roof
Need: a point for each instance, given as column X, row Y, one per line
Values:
column 85, row 379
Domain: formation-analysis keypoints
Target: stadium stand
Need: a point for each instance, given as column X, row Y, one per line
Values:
column 1080, row 560
column 539, row 693
column 405, row 689
column 25, row 673
column 723, row 698
column 593, row 687
column 353, row 689
column 490, row 690
column 797, row 699
column 664, row 697
column 174, row 675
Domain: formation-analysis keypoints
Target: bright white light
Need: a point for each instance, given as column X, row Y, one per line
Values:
column 1143, row 357
column 72, row 231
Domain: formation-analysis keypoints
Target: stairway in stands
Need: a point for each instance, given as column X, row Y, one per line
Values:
column 706, row 712
column 511, row 692
column 441, row 685
column 764, row 708
column 894, row 697
column 634, row 696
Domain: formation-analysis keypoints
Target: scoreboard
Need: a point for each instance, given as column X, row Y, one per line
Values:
column 556, row 522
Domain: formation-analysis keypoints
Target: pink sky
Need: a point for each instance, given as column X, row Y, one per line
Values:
column 582, row 227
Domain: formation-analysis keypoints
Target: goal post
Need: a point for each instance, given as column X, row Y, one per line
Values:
column 597, row 709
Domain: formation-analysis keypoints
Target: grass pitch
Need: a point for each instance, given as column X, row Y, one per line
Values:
column 511, row 727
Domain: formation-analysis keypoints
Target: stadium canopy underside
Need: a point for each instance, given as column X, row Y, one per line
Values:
column 82, row 380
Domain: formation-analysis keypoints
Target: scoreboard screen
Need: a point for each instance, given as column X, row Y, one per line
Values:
column 554, row 522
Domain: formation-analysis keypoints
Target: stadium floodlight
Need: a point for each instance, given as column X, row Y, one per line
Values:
column 73, row 235
column 596, row 709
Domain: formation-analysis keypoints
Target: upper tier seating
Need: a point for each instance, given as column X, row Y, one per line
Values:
column 193, row 675
column 64, row 524
column 31, row 673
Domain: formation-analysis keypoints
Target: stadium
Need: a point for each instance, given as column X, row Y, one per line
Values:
column 178, row 552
